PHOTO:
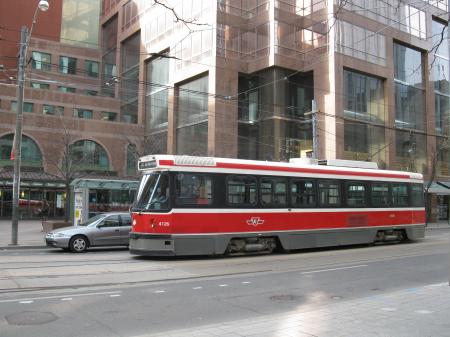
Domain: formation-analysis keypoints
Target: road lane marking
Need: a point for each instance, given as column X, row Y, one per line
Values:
column 425, row 312
column 197, row 288
column 223, row 285
column 60, row 296
column 246, row 282
column 159, row 291
column 389, row 309
column 114, row 295
column 333, row 269
column 67, row 299
column 26, row 302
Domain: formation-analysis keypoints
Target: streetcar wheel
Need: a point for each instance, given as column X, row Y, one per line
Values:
column 78, row 244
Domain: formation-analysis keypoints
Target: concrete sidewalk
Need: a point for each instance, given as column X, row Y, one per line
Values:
column 31, row 234
column 413, row 312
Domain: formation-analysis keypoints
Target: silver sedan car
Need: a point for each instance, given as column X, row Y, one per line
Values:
column 107, row 229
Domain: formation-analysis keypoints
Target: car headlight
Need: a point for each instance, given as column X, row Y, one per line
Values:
column 57, row 235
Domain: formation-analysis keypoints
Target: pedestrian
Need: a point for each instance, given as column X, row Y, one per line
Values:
column 45, row 209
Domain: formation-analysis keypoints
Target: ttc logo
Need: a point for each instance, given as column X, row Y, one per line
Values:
column 255, row 221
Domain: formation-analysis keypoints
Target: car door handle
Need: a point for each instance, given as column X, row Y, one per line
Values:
column 117, row 230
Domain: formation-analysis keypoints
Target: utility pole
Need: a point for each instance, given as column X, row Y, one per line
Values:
column 313, row 114
column 18, row 135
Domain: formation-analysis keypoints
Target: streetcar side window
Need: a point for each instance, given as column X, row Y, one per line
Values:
column 356, row 194
column 241, row 191
column 380, row 195
column 400, row 195
column 273, row 192
column 329, row 193
column 193, row 189
column 417, row 195
column 303, row 193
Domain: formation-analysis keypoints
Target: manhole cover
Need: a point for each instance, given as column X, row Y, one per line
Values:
column 284, row 298
column 336, row 297
column 30, row 318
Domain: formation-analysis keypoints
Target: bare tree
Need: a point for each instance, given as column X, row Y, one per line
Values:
column 68, row 164
column 441, row 146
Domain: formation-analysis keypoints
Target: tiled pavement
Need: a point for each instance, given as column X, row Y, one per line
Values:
column 421, row 312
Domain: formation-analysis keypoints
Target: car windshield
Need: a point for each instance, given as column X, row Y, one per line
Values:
column 92, row 220
column 153, row 192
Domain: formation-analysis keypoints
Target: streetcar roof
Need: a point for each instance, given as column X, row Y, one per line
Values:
column 243, row 166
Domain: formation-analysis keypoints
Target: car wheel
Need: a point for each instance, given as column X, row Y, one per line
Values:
column 78, row 244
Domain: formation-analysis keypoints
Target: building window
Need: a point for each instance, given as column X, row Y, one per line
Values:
column 30, row 153
column 132, row 158
column 82, row 113
column 283, row 131
column 409, row 108
column 52, row 110
column 38, row 85
column 192, row 117
column 41, row 61
column 88, row 155
column 157, row 93
column 363, row 97
column 92, row 68
column 67, row 65
column 27, row 106
column 129, row 84
column 441, row 77
column 109, row 116
column 109, row 46
column 360, row 43
column 91, row 93
column 66, row 89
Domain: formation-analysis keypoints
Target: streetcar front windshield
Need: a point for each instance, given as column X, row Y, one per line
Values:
column 153, row 193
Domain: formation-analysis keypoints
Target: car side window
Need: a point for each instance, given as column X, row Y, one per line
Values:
column 126, row 220
column 111, row 221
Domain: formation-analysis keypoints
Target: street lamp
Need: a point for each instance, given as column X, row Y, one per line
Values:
column 25, row 36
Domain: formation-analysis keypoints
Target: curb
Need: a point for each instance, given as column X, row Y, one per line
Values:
column 18, row 247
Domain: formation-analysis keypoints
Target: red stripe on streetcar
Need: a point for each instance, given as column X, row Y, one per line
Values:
column 255, row 167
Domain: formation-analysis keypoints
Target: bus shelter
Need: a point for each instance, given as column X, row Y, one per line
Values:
column 95, row 196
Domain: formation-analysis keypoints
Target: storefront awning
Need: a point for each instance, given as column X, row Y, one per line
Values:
column 439, row 187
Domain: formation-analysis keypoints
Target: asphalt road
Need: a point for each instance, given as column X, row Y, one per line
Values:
column 110, row 293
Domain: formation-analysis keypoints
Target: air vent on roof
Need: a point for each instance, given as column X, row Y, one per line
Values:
column 349, row 163
column 303, row 161
column 195, row 161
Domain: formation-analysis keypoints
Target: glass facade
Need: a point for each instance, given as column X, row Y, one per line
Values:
column 409, row 109
column 88, row 155
column 395, row 13
column 271, row 115
column 192, row 117
column 441, row 77
column 109, row 48
column 157, row 93
column 79, row 23
column 360, row 43
column 129, row 84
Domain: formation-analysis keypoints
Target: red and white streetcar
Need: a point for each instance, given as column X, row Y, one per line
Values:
column 202, row 206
